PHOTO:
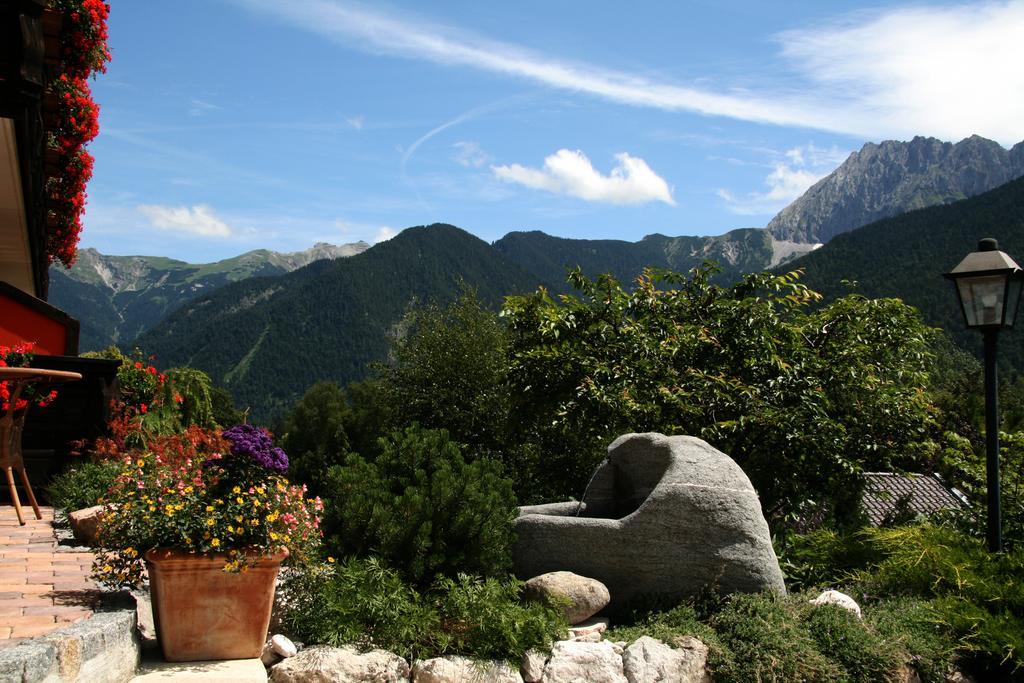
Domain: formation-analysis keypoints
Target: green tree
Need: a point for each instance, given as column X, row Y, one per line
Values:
column 192, row 391
column 447, row 370
column 314, row 435
column 803, row 399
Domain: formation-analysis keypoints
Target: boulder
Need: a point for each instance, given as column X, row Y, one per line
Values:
column 578, row 597
column 663, row 517
column 649, row 660
column 596, row 625
column 573, row 662
column 453, row 669
column 323, row 664
column 531, row 668
column 843, row 600
column 85, row 523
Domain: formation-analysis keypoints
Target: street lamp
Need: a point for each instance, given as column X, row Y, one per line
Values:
column 988, row 283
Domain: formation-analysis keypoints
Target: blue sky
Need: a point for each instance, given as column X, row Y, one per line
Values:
column 229, row 125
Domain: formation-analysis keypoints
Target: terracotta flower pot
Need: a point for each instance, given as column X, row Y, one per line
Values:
column 202, row 612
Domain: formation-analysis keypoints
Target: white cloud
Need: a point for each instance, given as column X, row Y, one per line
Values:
column 788, row 179
column 355, row 122
column 570, row 172
column 469, row 154
column 384, row 234
column 197, row 220
column 944, row 71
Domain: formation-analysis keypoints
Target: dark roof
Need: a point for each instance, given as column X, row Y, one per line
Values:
column 918, row 494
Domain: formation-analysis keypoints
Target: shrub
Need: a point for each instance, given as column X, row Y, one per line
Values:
column 916, row 626
column 768, row 642
column 422, row 509
column 366, row 604
column 82, row 485
column 866, row 656
column 668, row 625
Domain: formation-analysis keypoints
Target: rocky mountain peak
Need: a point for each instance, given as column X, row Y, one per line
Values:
column 891, row 177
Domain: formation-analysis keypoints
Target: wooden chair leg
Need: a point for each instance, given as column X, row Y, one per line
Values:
column 28, row 490
column 14, row 494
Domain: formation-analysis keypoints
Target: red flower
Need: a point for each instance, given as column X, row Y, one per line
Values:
column 143, row 408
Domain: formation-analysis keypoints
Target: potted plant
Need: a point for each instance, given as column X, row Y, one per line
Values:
column 209, row 517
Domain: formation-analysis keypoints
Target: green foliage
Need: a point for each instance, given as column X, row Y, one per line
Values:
column 815, row 394
column 360, row 602
column 823, row 558
column 447, row 369
column 768, row 642
column 866, row 656
column 82, row 485
column 915, row 626
column 314, row 435
column 223, row 407
column 967, row 470
column 363, row 603
column 191, row 390
column 667, row 625
column 973, row 598
column 422, row 509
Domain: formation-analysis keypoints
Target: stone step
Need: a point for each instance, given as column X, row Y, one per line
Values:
column 213, row 671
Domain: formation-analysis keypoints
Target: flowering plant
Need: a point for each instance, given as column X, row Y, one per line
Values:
column 83, row 51
column 205, row 492
column 20, row 356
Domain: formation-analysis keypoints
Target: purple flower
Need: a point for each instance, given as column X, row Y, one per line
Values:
column 249, row 441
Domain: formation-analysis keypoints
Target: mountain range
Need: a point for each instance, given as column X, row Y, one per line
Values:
column 269, row 338
column 116, row 298
column 267, row 328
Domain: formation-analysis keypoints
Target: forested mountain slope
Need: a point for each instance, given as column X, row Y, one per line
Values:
column 269, row 338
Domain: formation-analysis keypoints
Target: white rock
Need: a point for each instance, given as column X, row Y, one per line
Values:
column 586, row 597
column 322, row 664
column 573, row 662
column 596, row 625
column 532, row 666
column 453, row 669
column 649, row 660
column 283, row 646
column 588, row 637
column 843, row 600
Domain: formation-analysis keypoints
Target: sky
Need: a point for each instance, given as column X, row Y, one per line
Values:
column 231, row 125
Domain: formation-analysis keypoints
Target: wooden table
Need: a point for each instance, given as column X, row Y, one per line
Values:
column 12, row 422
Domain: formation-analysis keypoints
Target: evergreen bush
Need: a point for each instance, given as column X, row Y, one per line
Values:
column 422, row 509
column 364, row 603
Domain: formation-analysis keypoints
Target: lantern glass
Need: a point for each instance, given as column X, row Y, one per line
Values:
column 983, row 298
column 1012, row 299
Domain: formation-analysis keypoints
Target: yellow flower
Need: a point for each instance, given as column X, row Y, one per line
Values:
column 330, row 559
column 273, row 535
column 239, row 499
column 209, row 521
column 215, row 543
column 209, row 508
column 140, row 462
column 237, row 489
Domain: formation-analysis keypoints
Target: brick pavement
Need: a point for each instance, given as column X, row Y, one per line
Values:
column 43, row 587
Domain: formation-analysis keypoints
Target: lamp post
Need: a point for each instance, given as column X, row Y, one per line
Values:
column 988, row 283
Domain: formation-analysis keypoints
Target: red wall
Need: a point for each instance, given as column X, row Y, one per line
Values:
column 19, row 323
